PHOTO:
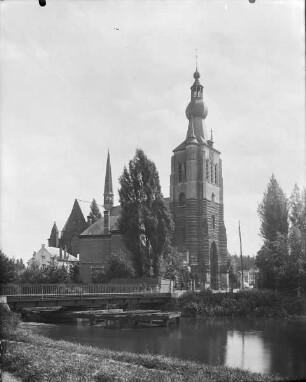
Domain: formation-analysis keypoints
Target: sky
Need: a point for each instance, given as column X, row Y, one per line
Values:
column 79, row 77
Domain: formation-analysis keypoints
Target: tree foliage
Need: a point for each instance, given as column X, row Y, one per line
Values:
column 281, row 260
column 273, row 212
column 145, row 221
column 10, row 269
column 272, row 258
column 95, row 213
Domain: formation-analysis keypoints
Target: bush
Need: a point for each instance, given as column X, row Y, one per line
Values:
column 9, row 323
column 244, row 303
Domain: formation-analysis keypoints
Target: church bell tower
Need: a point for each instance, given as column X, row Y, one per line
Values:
column 196, row 197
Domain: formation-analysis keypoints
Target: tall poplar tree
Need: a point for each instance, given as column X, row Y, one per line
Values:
column 273, row 256
column 95, row 213
column 145, row 221
column 297, row 236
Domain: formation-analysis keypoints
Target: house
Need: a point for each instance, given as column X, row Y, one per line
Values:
column 47, row 256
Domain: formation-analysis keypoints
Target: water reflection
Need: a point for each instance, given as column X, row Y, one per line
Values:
column 258, row 345
column 247, row 351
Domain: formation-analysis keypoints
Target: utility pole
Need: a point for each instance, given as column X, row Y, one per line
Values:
column 242, row 278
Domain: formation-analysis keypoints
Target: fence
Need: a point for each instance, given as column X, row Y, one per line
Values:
column 75, row 290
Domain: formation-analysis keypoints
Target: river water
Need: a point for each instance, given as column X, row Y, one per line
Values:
column 265, row 346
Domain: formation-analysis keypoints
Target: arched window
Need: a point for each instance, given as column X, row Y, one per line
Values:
column 211, row 173
column 213, row 222
column 216, row 173
column 213, row 198
column 214, row 269
column 182, row 199
column 207, row 169
column 181, row 172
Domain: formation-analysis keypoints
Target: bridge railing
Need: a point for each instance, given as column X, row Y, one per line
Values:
column 62, row 290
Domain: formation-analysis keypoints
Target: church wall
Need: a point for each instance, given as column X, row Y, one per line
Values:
column 93, row 253
column 95, row 250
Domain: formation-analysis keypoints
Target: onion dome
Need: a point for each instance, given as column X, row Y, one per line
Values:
column 196, row 107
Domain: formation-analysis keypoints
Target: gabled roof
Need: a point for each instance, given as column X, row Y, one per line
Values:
column 115, row 211
column 81, row 207
column 97, row 228
column 85, row 207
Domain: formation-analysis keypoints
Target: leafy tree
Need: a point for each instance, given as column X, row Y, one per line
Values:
column 273, row 256
column 119, row 266
column 74, row 273
column 8, row 270
column 273, row 212
column 95, row 213
column 145, row 221
column 174, row 268
column 297, row 237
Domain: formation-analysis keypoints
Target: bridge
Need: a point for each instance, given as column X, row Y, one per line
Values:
column 78, row 295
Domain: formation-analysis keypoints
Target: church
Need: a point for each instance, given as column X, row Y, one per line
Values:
column 196, row 205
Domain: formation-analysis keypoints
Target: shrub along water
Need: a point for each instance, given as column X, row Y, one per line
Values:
column 36, row 358
column 251, row 303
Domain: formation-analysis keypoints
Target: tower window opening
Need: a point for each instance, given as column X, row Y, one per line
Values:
column 213, row 222
column 207, row 169
column 182, row 199
column 211, row 173
column 181, row 172
column 213, row 198
column 216, row 174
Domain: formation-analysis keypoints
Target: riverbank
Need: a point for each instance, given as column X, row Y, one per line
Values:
column 250, row 303
column 37, row 358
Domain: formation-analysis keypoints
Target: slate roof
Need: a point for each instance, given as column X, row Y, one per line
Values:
column 55, row 252
column 97, row 228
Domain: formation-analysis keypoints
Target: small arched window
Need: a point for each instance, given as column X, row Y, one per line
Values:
column 213, row 198
column 182, row 199
column 213, row 222
column 211, row 173
column 181, row 172
column 216, row 173
column 207, row 169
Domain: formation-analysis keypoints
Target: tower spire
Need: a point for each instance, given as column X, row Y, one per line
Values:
column 108, row 186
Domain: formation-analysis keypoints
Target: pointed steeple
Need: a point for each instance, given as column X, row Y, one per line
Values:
column 53, row 241
column 211, row 140
column 108, row 186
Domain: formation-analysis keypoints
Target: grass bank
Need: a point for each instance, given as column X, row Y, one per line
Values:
column 250, row 303
column 35, row 358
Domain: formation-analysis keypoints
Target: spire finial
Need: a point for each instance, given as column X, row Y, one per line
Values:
column 108, row 185
column 196, row 57
column 211, row 135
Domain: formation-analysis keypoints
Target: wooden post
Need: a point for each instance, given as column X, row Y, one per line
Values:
column 242, row 278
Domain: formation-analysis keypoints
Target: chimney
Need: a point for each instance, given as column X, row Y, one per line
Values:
column 43, row 246
column 106, row 222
